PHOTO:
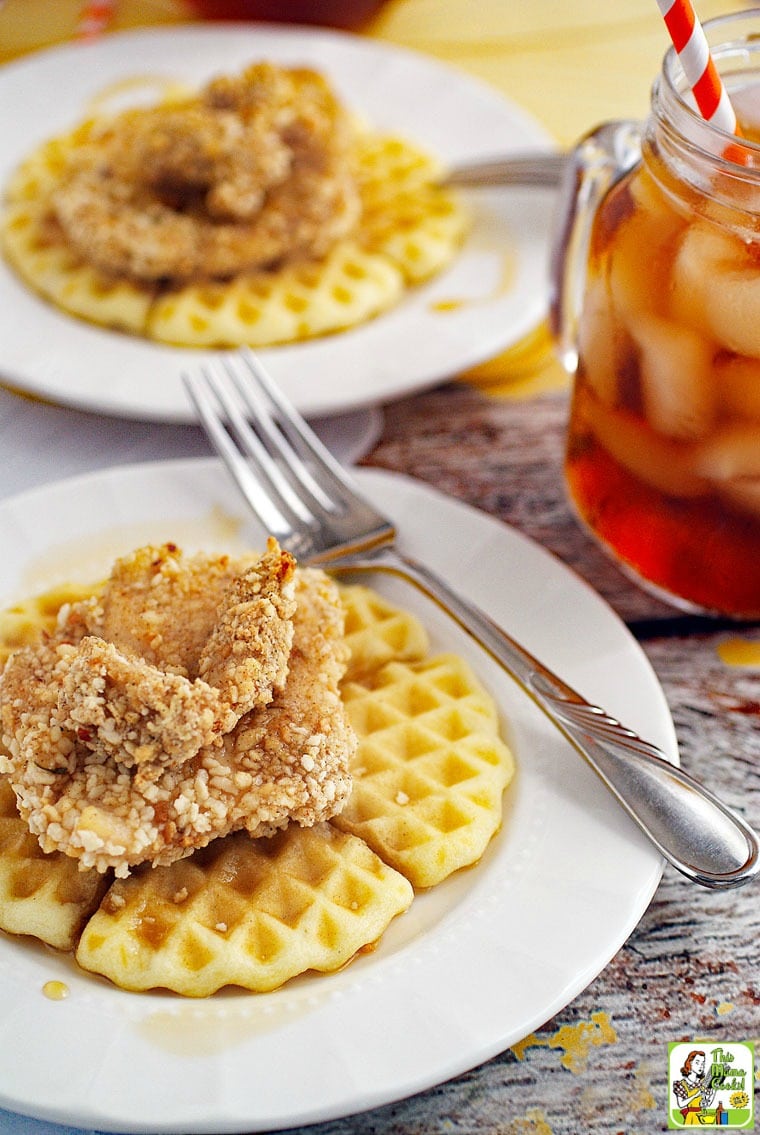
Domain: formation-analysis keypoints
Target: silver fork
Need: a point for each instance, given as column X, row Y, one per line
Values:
column 302, row 495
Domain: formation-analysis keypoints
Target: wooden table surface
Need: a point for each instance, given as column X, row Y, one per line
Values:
column 690, row 969
column 494, row 439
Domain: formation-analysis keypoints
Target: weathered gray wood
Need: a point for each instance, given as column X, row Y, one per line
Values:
column 504, row 457
column 691, row 969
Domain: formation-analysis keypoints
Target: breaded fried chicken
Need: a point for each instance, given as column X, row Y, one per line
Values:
column 252, row 172
column 161, row 606
column 246, row 655
column 124, row 708
column 117, row 759
column 303, row 738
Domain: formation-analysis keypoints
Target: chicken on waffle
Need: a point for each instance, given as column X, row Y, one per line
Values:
column 420, row 733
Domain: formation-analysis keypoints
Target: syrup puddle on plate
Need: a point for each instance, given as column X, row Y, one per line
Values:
column 504, row 284
column 90, row 558
column 221, row 1023
column 56, row 990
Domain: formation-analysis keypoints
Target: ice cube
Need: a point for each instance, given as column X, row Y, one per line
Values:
column 640, row 262
column 731, row 454
column 716, row 284
column 738, row 386
column 601, row 342
column 677, row 385
column 659, row 462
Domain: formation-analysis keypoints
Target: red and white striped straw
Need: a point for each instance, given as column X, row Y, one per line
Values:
column 94, row 18
column 690, row 43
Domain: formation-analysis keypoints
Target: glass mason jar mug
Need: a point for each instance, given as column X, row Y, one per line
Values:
column 656, row 311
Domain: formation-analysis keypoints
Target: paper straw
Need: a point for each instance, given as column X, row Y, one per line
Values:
column 690, row 43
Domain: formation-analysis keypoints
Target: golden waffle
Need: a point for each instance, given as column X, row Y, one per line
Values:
column 244, row 912
column 430, row 768
column 377, row 632
column 406, row 216
column 300, row 301
column 41, row 169
column 35, row 248
column 410, row 230
column 25, row 621
column 46, row 896
column 388, row 166
column 37, row 252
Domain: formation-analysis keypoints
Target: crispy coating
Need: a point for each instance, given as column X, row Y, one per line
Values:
column 308, row 718
column 117, row 758
column 246, row 655
column 251, row 173
column 159, row 606
column 123, row 708
column 169, row 659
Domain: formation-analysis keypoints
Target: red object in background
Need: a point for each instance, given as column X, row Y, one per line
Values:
column 350, row 14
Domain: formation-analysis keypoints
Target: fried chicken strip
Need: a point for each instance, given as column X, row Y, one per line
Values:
column 281, row 761
column 246, row 655
column 254, row 171
column 128, row 710
column 160, row 606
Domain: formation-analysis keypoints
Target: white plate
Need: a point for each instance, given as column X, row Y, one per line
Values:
column 40, row 442
column 497, row 283
column 474, row 965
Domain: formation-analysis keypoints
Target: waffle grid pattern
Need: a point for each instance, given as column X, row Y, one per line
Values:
column 242, row 912
column 428, row 782
column 430, row 768
column 409, row 231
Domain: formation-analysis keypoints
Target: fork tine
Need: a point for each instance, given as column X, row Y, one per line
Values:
column 278, row 443
column 279, row 514
column 290, row 479
column 248, row 435
column 302, row 440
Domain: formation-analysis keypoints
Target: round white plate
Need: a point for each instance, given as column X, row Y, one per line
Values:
column 495, row 290
column 476, row 964
column 41, row 442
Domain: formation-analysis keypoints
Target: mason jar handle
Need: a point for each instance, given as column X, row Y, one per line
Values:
column 599, row 160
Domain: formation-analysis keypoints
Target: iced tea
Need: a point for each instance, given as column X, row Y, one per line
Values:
column 663, row 460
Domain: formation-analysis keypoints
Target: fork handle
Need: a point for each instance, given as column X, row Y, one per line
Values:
column 690, row 826
column 516, row 169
